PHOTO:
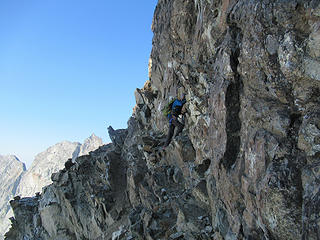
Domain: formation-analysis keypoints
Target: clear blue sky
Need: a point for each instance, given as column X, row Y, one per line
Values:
column 69, row 68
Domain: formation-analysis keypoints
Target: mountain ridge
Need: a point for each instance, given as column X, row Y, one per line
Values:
column 27, row 182
column 246, row 165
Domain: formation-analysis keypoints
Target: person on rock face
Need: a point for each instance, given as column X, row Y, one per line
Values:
column 176, row 109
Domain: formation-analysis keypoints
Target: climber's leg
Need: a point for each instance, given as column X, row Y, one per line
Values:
column 179, row 126
column 170, row 134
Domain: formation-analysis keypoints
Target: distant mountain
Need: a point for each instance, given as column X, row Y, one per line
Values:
column 15, row 180
column 90, row 144
column 52, row 160
column 44, row 164
column 11, row 170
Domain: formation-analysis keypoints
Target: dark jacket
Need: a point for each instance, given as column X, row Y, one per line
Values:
column 176, row 108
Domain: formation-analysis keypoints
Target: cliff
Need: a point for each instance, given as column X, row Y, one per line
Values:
column 246, row 165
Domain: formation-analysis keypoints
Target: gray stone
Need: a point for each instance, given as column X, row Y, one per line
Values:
column 41, row 173
column 11, row 171
column 272, row 44
column 208, row 229
column 177, row 176
column 248, row 155
column 177, row 235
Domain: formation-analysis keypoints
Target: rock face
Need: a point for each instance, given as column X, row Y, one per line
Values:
column 11, row 170
column 246, row 165
column 28, row 183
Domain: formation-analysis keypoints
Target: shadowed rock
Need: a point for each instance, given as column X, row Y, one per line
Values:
column 246, row 165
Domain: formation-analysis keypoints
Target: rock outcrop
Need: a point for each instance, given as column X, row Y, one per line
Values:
column 246, row 165
column 27, row 183
column 11, row 170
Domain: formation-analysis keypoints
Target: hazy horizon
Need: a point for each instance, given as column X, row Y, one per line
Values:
column 29, row 163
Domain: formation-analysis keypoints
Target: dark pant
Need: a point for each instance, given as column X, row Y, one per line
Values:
column 174, row 123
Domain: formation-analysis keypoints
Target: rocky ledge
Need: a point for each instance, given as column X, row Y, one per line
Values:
column 246, row 165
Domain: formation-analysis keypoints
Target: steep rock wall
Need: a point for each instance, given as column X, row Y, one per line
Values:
column 246, row 165
column 249, row 69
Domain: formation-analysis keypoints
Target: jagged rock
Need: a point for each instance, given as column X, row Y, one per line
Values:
column 69, row 202
column 117, row 136
column 29, row 182
column 178, row 235
column 118, row 234
column 90, row 144
column 201, row 192
column 27, row 222
column 68, row 164
column 246, row 165
column 11, row 170
column 177, row 175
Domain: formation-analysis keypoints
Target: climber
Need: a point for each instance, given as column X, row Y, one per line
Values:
column 176, row 107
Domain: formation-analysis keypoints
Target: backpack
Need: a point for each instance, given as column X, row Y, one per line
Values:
column 167, row 108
